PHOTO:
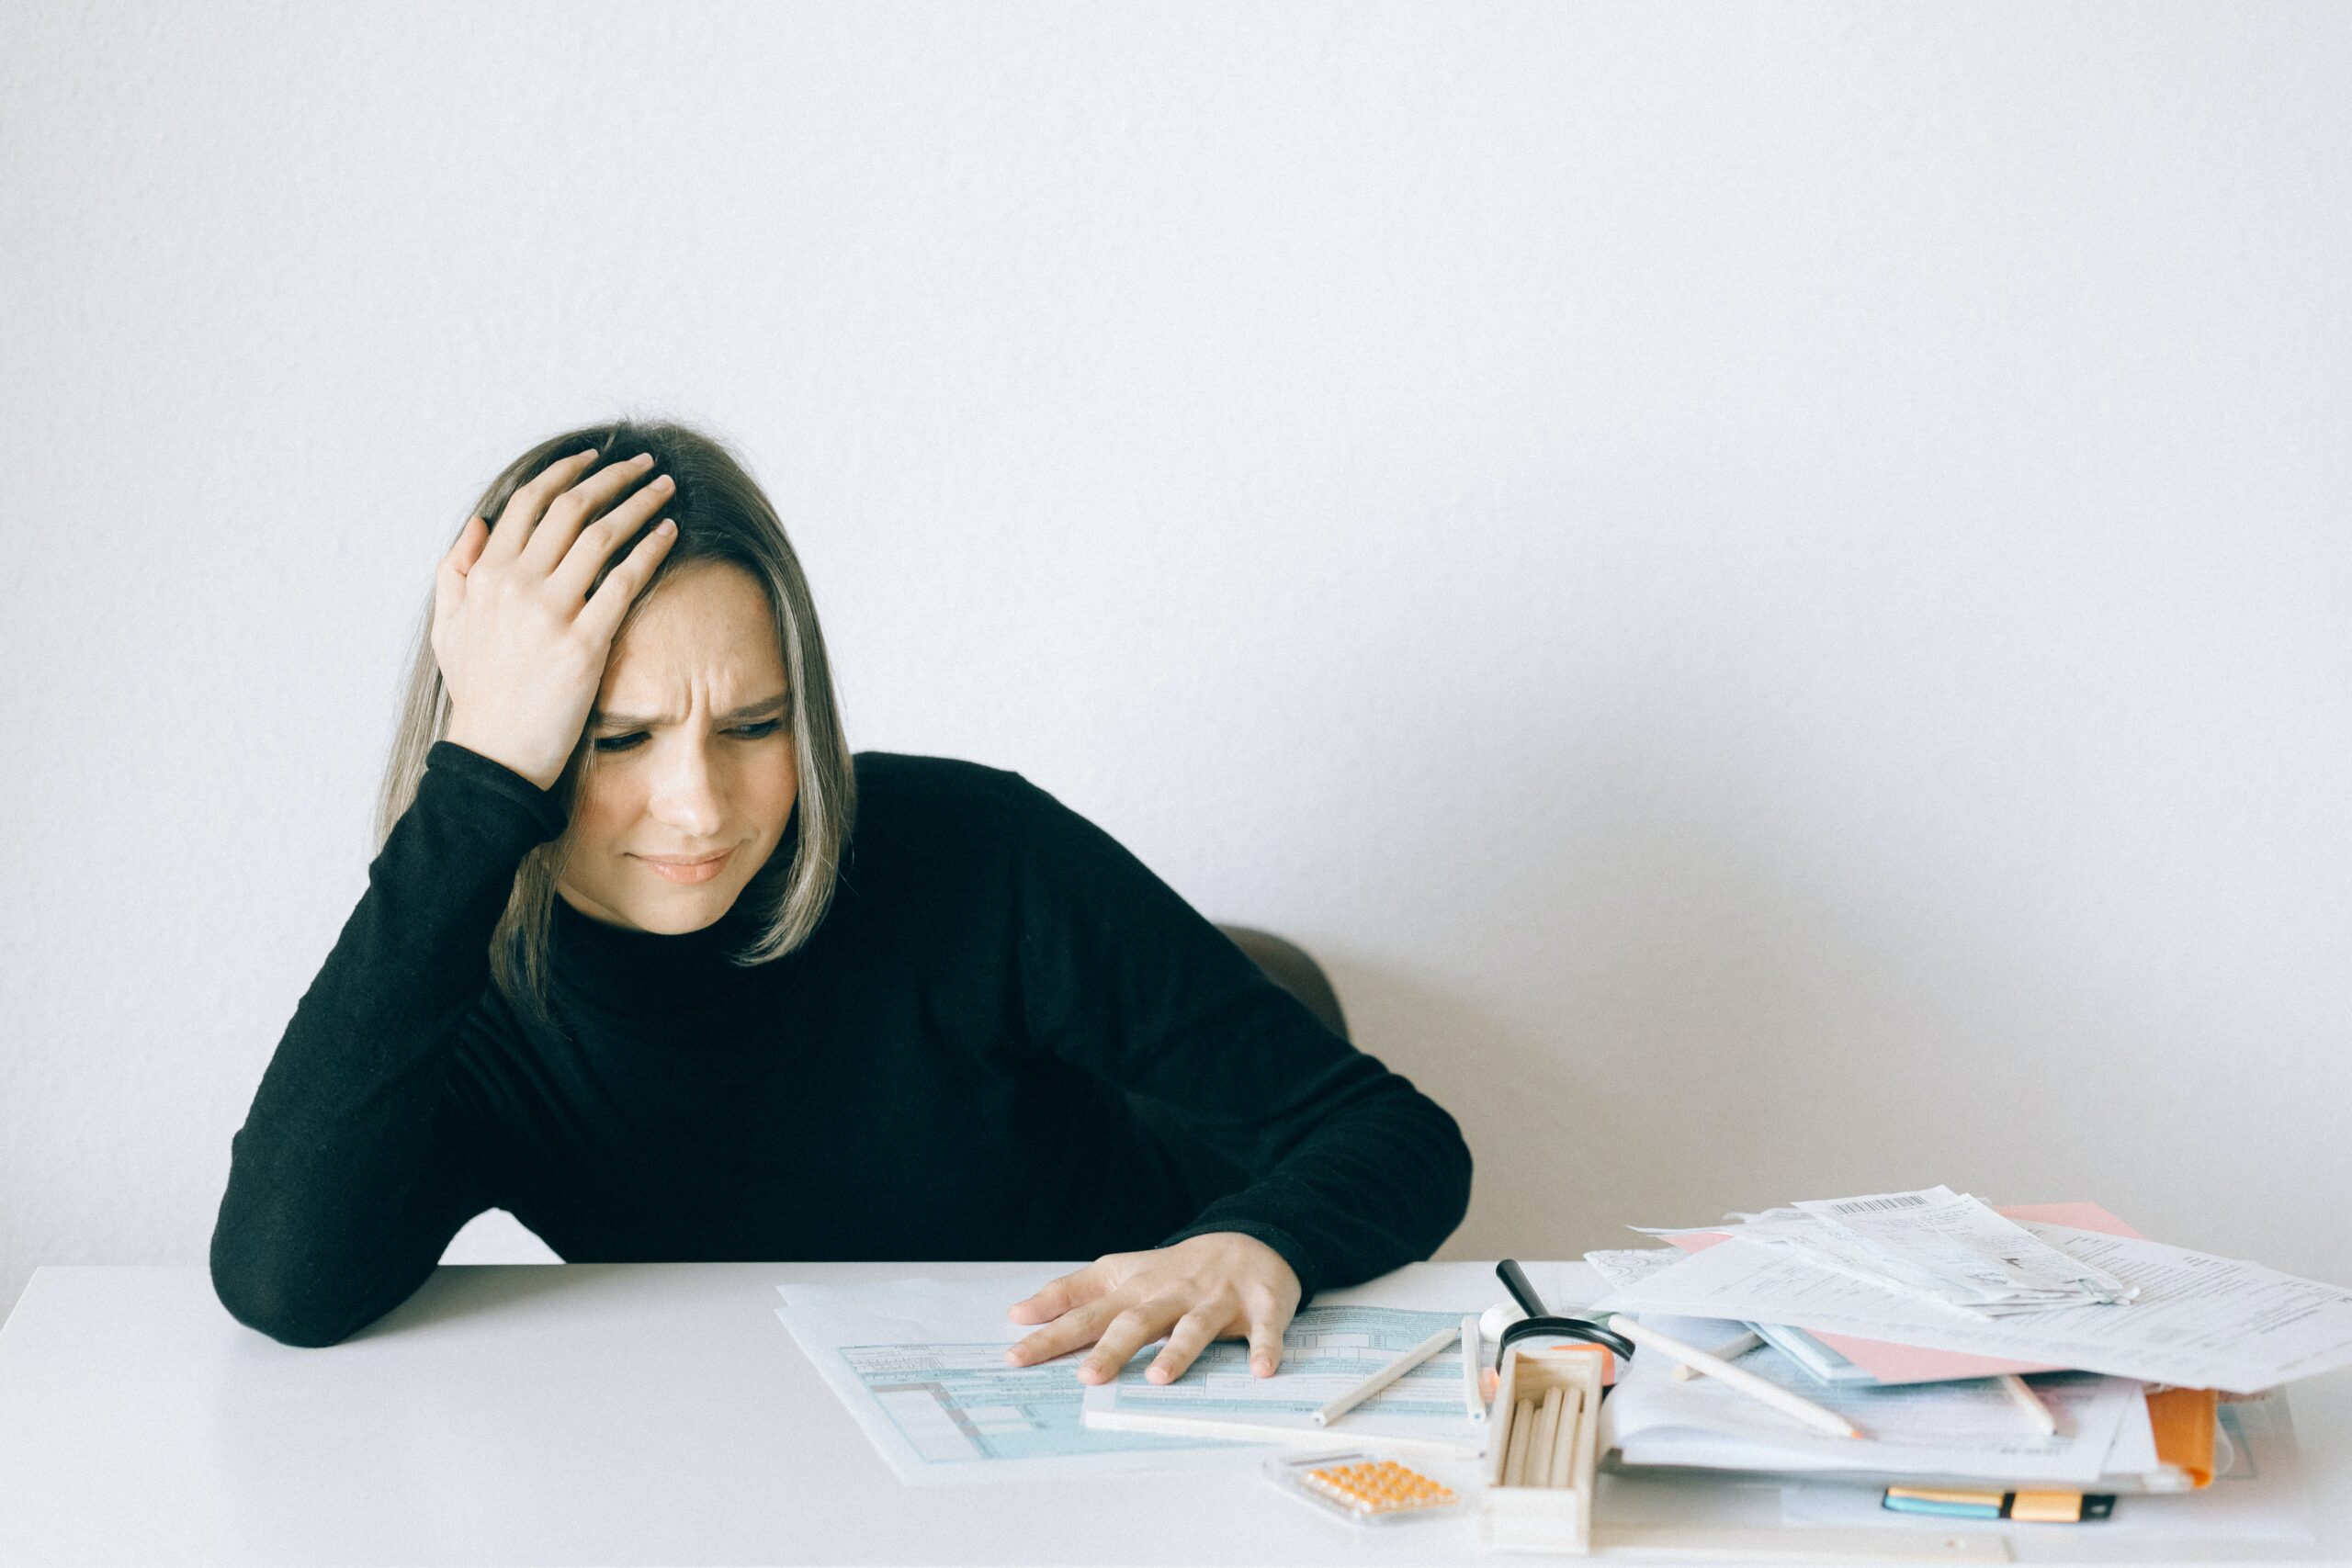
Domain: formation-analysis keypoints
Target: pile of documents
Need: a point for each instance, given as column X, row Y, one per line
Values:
column 1915, row 1314
column 1960, row 1431
column 2191, row 1319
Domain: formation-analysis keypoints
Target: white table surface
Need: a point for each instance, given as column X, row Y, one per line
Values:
column 659, row 1412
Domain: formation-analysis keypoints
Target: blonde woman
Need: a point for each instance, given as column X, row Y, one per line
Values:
column 650, row 960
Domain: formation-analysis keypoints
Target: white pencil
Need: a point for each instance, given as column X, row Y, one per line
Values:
column 1771, row 1393
column 1471, row 1401
column 1384, row 1376
column 1731, row 1349
column 2044, row 1421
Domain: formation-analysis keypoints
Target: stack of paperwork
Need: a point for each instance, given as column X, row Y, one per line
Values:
column 1930, row 1431
column 2190, row 1319
column 1899, row 1310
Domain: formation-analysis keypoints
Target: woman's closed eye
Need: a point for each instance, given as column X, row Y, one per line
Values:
column 745, row 732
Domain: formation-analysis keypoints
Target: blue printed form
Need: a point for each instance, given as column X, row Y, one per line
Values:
column 960, row 1404
column 918, row 1364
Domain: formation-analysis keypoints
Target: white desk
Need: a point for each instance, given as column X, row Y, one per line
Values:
column 647, row 1413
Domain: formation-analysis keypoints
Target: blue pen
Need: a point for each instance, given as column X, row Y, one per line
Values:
column 2033, row 1508
column 1988, row 1507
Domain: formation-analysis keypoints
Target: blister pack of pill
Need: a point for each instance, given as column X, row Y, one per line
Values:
column 1362, row 1488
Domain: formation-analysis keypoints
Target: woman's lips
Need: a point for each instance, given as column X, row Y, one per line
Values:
column 699, row 871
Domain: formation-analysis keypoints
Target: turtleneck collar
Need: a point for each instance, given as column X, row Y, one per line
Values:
column 625, row 970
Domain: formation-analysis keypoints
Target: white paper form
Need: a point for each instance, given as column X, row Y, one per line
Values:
column 1327, row 1350
column 1962, row 1242
column 1622, row 1266
column 2199, row 1321
column 920, row 1364
column 1946, row 1429
column 1935, row 1245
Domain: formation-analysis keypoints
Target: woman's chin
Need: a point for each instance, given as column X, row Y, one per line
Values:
column 657, row 908
column 676, row 911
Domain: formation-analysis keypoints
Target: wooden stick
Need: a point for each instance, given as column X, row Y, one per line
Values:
column 1547, row 1432
column 1522, row 1422
column 1564, row 1442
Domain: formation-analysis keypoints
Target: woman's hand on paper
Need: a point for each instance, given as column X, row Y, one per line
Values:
column 1218, row 1286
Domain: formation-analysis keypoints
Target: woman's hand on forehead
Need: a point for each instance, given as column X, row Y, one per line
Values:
column 521, row 641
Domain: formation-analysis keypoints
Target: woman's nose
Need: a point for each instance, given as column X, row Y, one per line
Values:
column 686, row 792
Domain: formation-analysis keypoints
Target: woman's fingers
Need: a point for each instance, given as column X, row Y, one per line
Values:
column 1129, row 1332
column 1266, row 1326
column 1055, row 1297
column 595, row 543
column 550, row 551
column 1191, row 1336
column 449, row 577
column 523, row 508
column 1208, row 1285
column 600, row 618
column 1072, row 1330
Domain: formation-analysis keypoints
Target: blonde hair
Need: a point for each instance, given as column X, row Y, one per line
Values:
column 722, row 516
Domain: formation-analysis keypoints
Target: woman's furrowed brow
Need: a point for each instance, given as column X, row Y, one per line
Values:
column 749, row 710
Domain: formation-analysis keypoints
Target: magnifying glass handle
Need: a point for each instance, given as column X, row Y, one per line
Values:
column 1514, row 1280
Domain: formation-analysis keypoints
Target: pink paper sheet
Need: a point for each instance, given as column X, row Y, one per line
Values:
column 1909, row 1363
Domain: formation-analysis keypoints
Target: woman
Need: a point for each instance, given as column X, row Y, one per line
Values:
column 650, row 960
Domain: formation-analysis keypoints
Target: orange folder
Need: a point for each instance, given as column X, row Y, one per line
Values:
column 2184, row 1419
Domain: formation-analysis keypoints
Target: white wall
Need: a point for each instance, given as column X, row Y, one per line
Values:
column 1766, row 586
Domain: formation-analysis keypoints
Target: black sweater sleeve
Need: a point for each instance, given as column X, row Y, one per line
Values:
column 1354, row 1171
column 355, row 1165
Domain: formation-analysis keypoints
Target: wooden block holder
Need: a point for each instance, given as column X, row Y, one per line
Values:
column 1543, row 1517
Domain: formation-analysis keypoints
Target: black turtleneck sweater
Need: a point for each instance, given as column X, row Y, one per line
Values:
column 937, row 1073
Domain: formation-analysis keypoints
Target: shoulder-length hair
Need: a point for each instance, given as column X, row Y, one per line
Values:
column 722, row 516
